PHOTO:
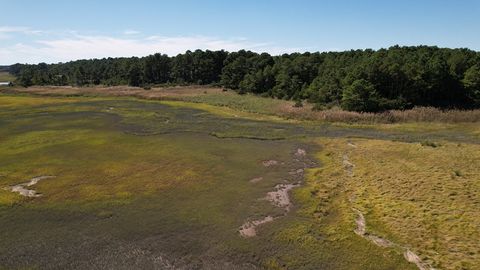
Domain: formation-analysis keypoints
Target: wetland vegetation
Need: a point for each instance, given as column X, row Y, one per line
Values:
column 133, row 182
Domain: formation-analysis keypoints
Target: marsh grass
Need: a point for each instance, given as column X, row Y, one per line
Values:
column 170, row 179
column 255, row 104
column 324, row 224
column 424, row 198
column 176, row 192
column 417, row 114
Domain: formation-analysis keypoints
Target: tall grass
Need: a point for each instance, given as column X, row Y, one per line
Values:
column 261, row 105
column 417, row 114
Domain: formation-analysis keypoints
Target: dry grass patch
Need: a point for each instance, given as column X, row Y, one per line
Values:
column 417, row 114
column 285, row 109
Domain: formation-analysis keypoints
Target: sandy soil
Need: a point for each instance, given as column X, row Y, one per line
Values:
column 269, row 163
column 361, row 230
column 248, row 228
column 256, row 180
column 22, row 190
column 279, row 197
column 413, row 258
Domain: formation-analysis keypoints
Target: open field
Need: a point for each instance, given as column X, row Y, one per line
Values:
column 6, row 77
column 113, row 181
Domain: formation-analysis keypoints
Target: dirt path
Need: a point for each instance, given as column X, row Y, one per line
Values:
column 361, row 225
column 24, row 191
column 347, row 165
column 361, row 230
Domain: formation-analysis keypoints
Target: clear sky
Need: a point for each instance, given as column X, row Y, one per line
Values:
column 53, row 31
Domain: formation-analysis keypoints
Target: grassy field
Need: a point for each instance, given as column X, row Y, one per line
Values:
column 263, row 106
column 6, row 77
column 167, row 184
column 421, row 196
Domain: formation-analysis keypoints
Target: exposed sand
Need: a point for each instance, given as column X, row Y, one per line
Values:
column 348, row 165
column 256, row 180
column 413, row 258
column 268, row 163
column 300, row 152
column 279, row 197
column 361, row 230
column 22, row 190
column 248, row 228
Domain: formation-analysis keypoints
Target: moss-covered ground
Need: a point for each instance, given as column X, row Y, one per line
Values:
column 144, row 184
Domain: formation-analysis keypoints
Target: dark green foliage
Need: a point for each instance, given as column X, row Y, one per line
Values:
column 156, row 68
column 135, row 75
column 361, row 80
column 471, row 81
column 361, row 96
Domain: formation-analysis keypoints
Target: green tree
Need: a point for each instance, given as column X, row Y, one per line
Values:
column 26, row 76
column 156, row 68
column 361, row 96
column 471, row 81
column 135, row 75
column 79, row 76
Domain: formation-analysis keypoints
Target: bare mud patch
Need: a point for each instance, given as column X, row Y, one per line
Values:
column 256, row 180
column 300, row 152
column 24, row 191
column 413, row 258
column 269, row 163
column 248, row 228
column 347, row 165
column 279, row 197
column 296, row 172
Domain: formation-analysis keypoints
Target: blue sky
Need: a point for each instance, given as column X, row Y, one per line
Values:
column 53, row 31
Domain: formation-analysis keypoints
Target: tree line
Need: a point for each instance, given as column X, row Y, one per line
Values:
column 356, row 80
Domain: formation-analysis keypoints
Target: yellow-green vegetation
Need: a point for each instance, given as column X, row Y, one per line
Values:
column 150, row 184
column 424, row 128
column 324, row 224
column 224, row 110
column 128, row 173
column 422, row 196
column 246, row 102
column 12, row 102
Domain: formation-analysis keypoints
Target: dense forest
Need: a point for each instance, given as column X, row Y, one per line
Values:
column 357, row 80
